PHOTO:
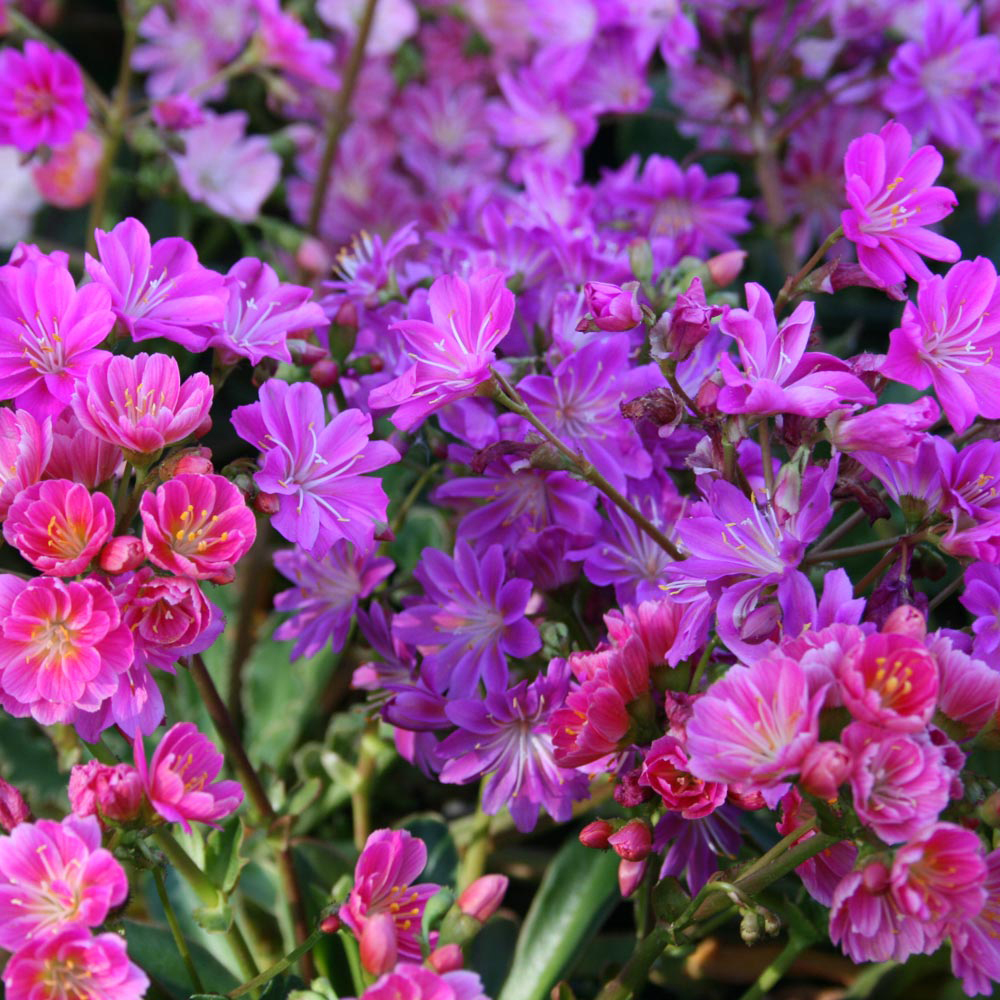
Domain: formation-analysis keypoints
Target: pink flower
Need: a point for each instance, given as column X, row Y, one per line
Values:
column 25, row 446
column 891, row 681
column 409, row 981
column 612, row 307
column 13, row 809
column 59, row 526
column 389, row 862
column 113, row 793
column 665, row 770
column 69, row 177
column 80, row 456
column 891, row 201
column 197, row 526
column 140, row 403
column 823, row 872
column 73, row 965
column 41, row 97
column 180, row 779
column 62, row 647
column 892, row 429
column 754, row 727
column 55, row 874
column 454, row 351
column 49, row 334
column 970, row 688
column 975, row 943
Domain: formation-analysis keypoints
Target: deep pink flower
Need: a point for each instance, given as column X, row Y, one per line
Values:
column 316, row 469
column 80, row 456
column 665, row 770
column 754, row 727
column 892, row 429
column 69, row 177
column 41, row 97
column 454, row 350
column 140, row 403
column 49, row 334
column 408, row 981
column 74, row 965
column 969, row 689
column 951, row 339
column 62, row 647
column 197, row 526
column 180, row 779
column 612, row 307
column 891, row 680
column 25, row 446
column 891, row 198
column 287, row 46
column 55, row 874
column 157, row 289
column 389, row 863
column 975, row 943
column 97, row 789
column 13, row 809
column 59, row 526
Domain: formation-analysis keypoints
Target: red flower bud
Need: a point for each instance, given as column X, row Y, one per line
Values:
column 325, row 373
column 634, row 841
column 447, row 958
column 596, row 834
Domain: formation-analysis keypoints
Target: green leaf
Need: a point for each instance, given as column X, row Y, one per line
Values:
column 491, row 951
column 222, row 855
column 579, row 890
column 442, row 854
column 214, row 919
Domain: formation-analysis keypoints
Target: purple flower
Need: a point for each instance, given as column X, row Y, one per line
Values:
column 937, row 78
column 695, row 846
column 316, row 468
column 892, row 429
column 49, row 334
column 982, row 599
column 779, row 375
column 325, row 595
column 454, row 351
column 891, row 198
column 506, row 735
column 474, row 618
column 261, row 314
column 287, row 47
column 950, row 339
column 159, row 289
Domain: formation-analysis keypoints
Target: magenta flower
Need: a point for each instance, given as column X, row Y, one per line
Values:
column 754, row 727
column 890, row 681
column 49, row 334
column 384, row 903
column 951, row 339
column 74, row 964
column 778, row 374
column 53, row 875
column 325, row 595
column 408, row 981
column 892, row 429
column 197, row 526
column 472, row 620
column 169, row 616
column 158, row 289
column 287, row 46
column 261, row 313
column 25, row 447
column 612, row 308
column 970, row 688
column 41, row 97
column 79, row 456
column 891, row 198
column 665, row 770
column 140, row 403
column 109, row 793
column 59, row 526
column 454, row 351
column 180, row 779
column 317, row 469
column 62, row 647
column 981, row 599
column 506, row 736
column 975, row 943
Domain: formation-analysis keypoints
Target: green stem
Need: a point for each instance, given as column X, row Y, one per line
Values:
column 478, row 848
column 511, row 398
column 361, row 806
column 206, row 891
column 943, row 596
column 699, row 670
column 774, row 973
column 175, row 930
column 413, row 496
column 337, row 122
column 791, row 285
column 280, row 966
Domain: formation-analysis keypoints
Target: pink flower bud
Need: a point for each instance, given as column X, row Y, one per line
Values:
column 630, row 875
column 483, row 897
column 906, row 620
column 825, row 768
column 687, row 325
column 312, row 257
column 706, row 399
column 266, row 503
column 190, row 461
column 203, row 428
column 110, row 793
column 325, row 373
column 612, row 308
column 633, row 841
column 330, row 924
column 347, row 316
column 122, row 554
column 447, row 958
column 724, row 268
column 13, row 809
column 306, row 354
column 596, row 834
column 378, row 943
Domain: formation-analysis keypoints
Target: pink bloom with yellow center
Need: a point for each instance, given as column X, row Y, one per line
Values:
column 197, row 526
column 62, row 647
column 59, row 526
column 55, row 874
column 180, row 779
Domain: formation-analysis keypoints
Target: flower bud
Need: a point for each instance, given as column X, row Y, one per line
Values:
column 266, row 503
column 596, row 834
column 325, row 373
column 189, row 462
column 686, row 326
column 110, row 793
column 483, row 897
column 906, row 620
column 706, row 399
column 825, row 768
column 331, row 924
column 724, row 268
column 447, row 958
column 378, row 944
column 612, row 308
column 634, row 841
column 306, row 354
column 13, row 809
column 989, row 811
column 312, row 257
column 122, row 554
column 630, row 875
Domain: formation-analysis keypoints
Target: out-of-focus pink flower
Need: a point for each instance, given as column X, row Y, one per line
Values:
column 180, row 778
column 76, row 964
column 409, row 981
column 13, row 809
column 69, row 176
column 80, row 457
column 140, row 403
column 97, row 789
column 177, row 112
column 25, row 446
column 197, row 526
column 892, row 200
column 59, row 526
column 41, row 97
column 55, row 874
column 395, row 21
column 969, row 690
